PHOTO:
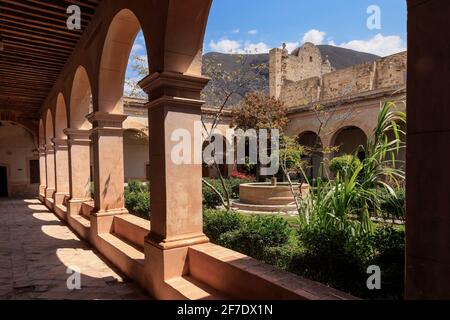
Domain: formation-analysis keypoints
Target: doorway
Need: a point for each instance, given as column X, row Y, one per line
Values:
column 3, row 182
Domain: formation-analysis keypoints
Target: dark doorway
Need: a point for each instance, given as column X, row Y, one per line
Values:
column 34, row 172
column 3, row 182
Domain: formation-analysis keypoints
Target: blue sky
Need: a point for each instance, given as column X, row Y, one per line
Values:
column 249, row 26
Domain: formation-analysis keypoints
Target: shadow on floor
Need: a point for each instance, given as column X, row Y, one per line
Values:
column 38, row 254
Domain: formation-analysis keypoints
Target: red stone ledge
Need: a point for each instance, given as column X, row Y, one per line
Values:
column 240, row 276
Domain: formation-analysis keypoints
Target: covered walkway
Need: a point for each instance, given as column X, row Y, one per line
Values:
column 36, row 250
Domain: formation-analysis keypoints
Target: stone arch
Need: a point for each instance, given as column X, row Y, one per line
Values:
column 349, row 139
column 119, row 41
column 49, row 128
column 31, row 126
column 310, row 138
column 80, row 100
column 61, row 119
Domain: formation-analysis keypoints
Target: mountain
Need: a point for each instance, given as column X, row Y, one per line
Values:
column 341, row 58
column 247, row 73
column 234, row 73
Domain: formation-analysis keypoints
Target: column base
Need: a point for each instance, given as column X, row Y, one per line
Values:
column 48, row 201
column 42, row 191
column 49, row 193
column 102, row 221
column 59, row 198
column 165, row 260
column 75, row 206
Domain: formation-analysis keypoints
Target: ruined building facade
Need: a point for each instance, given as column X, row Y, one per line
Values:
column 330, row 107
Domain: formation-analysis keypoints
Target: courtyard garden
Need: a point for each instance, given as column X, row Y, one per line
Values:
column 352, row 218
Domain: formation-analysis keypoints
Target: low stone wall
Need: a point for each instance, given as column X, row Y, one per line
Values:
column 210, row 271
column 266, row 194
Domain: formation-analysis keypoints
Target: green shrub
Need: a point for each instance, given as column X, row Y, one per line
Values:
column 136, row 186
column 137, row 199
column 218, row 222
column 390, row 257
column 334, row 257
column 392, row 206
column 344, row 164
column 281, row 257
column 340, row 259
column 212, row 200
column 257, row 234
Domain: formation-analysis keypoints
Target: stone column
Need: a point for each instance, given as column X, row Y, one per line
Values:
column 427, row 167
column 79, row 143
column 107, row 140
column 175, row 189
column 42, row 173
column 50, row 171
column 61, row 170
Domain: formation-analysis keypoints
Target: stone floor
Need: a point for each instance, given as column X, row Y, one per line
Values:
column 36, row 250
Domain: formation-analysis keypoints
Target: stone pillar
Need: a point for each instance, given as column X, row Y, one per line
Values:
column 427, row 167
column 175, row 189
column 50, row 171
column 79, row 143
column 61, row 170
column 42, row 173
column 109, row 179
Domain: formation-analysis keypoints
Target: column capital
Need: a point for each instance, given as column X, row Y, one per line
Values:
column 106, row 120
column 41, row 151
column 59, row 144
column 78, row 136
column 174, row 87
column 49, row 148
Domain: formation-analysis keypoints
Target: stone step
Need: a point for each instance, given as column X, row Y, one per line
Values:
column 123, row 254
column 124, row 246
column 61, row 211
column 192, row 289
column 81, row 225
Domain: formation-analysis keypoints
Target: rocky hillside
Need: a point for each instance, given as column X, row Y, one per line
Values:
column 341, row 58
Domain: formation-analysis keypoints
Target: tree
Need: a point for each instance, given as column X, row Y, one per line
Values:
column 291, row 161
column 228, row 85
column 258, row 111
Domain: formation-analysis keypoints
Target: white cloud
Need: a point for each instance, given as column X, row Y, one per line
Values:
column 236, row 31
column 240, row 47
column 314, row 36
column 253, row 32
column 260, row 47
column 225, row 46
column 379, row 45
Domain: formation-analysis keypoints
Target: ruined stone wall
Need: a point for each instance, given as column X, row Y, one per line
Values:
column 275, row 72
column 348, row 81
column 305, row 63
column 381, row 74
column 391, row 70
column 301, row 92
